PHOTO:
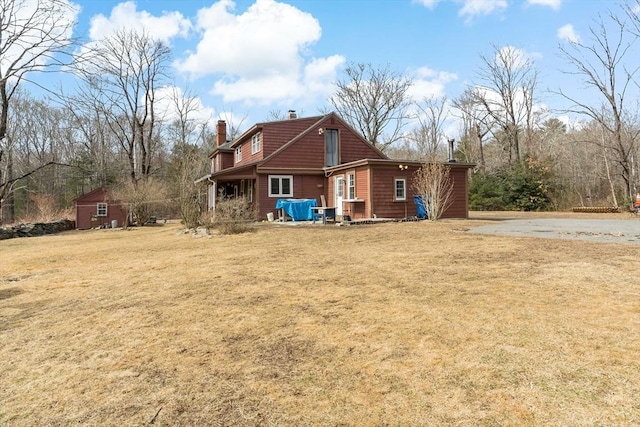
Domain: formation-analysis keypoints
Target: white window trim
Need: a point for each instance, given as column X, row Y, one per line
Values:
column 280, row 178
column 239, row 154
column 255, row 143
column 395, row 189
column 105, row 207
column 351, row 185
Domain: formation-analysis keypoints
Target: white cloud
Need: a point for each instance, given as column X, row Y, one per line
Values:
column 568, row 33
column 126, row 16
column 472, row 8
column 428, row 83
column 260, row 55
column 430, row 4
column 315, row 80
column 553, row 4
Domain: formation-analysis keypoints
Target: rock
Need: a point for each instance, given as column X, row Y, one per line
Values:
column 37, row 229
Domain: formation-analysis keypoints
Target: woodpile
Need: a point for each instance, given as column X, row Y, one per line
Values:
column 596, row 209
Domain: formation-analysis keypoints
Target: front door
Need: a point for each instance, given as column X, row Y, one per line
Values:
column 339, row 192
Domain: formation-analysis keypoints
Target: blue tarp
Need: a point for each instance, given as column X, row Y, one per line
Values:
column 297, row 209
column 420, row 207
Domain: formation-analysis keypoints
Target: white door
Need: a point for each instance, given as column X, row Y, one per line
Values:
column 339, row 192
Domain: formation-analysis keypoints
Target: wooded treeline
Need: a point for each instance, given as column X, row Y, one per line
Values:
column 112, row 127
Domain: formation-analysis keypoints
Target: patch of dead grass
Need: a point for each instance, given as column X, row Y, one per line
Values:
column 391, row 324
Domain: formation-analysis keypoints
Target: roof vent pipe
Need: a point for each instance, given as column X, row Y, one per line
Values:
column 451, row 158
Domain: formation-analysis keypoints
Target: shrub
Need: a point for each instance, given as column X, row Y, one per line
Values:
column 45, row 209
column 432, row 182
column 143, row 198
column 233, row 216
column 526, row 186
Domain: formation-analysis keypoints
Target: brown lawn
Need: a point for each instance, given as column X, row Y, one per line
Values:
column 392, row 324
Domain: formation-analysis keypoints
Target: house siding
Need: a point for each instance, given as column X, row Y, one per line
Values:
column 247, row 156
column 276, row 134
column 459, row 207
column 383, row 189
column 383, row 192
column 309, row 150
column 304, row 187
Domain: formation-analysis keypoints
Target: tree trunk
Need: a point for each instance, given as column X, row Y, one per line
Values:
column 611, row 184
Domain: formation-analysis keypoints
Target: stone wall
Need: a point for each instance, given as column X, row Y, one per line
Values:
column 38, row 229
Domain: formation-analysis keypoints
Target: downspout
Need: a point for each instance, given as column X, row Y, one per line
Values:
column 214, row 184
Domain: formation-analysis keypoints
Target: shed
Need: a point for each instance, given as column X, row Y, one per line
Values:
column 96, row 209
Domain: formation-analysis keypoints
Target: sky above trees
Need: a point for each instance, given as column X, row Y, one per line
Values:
column 249, row 58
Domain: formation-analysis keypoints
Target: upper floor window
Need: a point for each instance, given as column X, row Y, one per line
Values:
column 239, row 153
column 255, row 143
column 332, row 152
column 280, row 185
column 101, row 209
column 351, row 186
column 400, row 189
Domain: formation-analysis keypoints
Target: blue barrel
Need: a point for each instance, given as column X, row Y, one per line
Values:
column 421, row 209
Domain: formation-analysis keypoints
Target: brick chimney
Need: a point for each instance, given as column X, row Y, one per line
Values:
column 291, row 114
column 221, row 133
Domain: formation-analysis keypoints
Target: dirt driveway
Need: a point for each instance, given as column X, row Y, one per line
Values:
column 605, row 228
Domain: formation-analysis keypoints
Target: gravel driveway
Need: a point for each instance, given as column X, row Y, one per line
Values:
column 592, row 230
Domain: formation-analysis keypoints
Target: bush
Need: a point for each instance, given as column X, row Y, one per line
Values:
column 233, row 216
column 526, row 186
column 143, row 198
column 433, row 184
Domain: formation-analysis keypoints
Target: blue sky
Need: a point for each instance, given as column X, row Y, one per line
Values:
column 246, row 58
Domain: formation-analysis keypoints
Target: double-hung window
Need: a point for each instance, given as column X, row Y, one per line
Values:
column 101, row 209
column 239, row 153
column 255, row 143
column 400, row 189
column 280, row 185
column 351, row 186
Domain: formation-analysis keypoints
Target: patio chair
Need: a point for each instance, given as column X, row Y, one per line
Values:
column 325, row 211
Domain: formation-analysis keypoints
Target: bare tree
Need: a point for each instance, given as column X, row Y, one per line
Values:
column 476, row 124
column 143, row 199
column 506, row 90
column 600, row 63
column 374, row 101
column 123, row 73
column 33, row 35
column 188, row 159
column 433, row 183
column 95, row 159
column 234, row 124
column 633, row 13
column 429, row 133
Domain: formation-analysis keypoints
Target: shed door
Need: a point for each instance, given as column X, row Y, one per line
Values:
column 339, row 192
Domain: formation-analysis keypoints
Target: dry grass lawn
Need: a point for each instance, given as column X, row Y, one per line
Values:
column 392, row 324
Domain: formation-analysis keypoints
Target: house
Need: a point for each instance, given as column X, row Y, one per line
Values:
column 304, row 158
column 96, row 209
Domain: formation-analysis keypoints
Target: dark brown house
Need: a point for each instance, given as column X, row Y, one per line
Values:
column 95, row 209
column 304, row 158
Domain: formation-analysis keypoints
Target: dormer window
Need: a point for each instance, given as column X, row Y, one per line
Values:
column 255, row 143
column 238, row 153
